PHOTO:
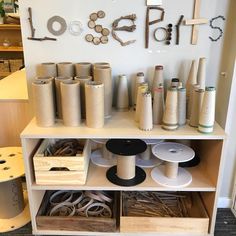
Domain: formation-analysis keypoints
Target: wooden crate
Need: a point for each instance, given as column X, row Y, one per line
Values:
column 15, row 64
column 76, row 223
column 68, row 170
column 4, row 66
column 197, row 223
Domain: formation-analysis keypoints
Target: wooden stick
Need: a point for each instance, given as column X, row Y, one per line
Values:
column 31, row 22
column 42, row 39
column 178, row 29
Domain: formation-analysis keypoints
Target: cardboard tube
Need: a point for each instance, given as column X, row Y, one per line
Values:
column 192, row 78
column 126, row 167
column 158, row 79
column 190, row 101
column 70, row 100
column 44, row 103
column 138, row 80
column 94, row 99
column 65, row 69
column 122, row 103
column 158, row 106
column 181, row 106
column 201, row 74
column 171, row 170
column 83, row 69
column 147, row 154
column 48, row 69
column 11, row 199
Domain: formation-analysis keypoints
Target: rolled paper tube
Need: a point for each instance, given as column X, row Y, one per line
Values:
column 70, row 100
column 44, row 103
column 181, row 106
column 65, row 69
column 122, row 103
column 207, row 114
column 171, row 170
column 192, row 78
column 190, row 101
column 145, row 119
column 103, row 74
column 83, row 69
column 48, row 69
column 58, row 81
column 94, row 100
column 196, row 107
column 143, row 88
column 11, row 199
column 158, row 106
column 138, row 80
column 101, row 64
column 126, row 167
column 147, row 154
column 158, row 78
column 83, row 80
column 201, row 74
column 170, row 117
column 175, row 82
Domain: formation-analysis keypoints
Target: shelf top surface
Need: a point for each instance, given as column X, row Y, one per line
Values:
column 10, row 27
column 121, row 125
column 11, row 49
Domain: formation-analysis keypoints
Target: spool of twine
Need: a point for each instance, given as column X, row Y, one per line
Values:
column 175, row 82
column 145, row 119
column 192, row 78
column 71, row 109
column 83, row 69
column 207, row 114
column 181, row 106
column 201, row 74
column 190, row 101
column 170, row 117
column 122, row 103
column 94, row 100
column 83, row 80
column 158, row 78
column 143, row 88
column 58, row 81
column 126, row 167
column 158, row 106
column 65, row 69
column 103, row 74
column 171, row 170
column 44, row 103
column 48, row 69
column 138, row 80
column 196, row 107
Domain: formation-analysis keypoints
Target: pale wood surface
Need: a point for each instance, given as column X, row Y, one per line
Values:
column 196, row 21
column 10, row 27
column 11, row 49
column 196, row 15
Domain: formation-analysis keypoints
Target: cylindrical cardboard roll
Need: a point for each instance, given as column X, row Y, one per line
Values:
column 170, row 117
column 158, row 106
column 171, row 170
column 196, row 107
column 158, row 79
column 147, row 154
column 44, row 103
column 48, row 69
column 190, row 101
column 58, row 81
column 192, row 78
column 181, row 106
column 201, row 74
column 138, row 80
column 106, row 154
column 145, row 119
column 83, row 69
column 175, row 82
column 65, row 69
column 101, row 64
column 70, row 100
column 103, row 74
column 83, row 80
column 94, row 100
column 11, row 199
column 126, row 167
column 122, row 103
column 143, row 88
column 207, row 114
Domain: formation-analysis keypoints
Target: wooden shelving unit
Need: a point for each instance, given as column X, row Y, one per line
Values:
column 206, row 176
column 11, row 49
column 10, row 27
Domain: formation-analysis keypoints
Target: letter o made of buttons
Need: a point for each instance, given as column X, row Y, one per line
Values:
column 59, row 20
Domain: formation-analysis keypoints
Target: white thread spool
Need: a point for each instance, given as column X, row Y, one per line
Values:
column 83, row 80
column 94, row 100
column 170, row 117
column 175, row 82
column 207, row 114
column 71, row 108
column 158, row 78
column 103, row 74
column 145, row 119
column 126, row 167
column 190, row 101
column 83, row 69
column 196, row 107
column 201, row 74
column 48, row 69
column 143, row 88
column 158, row 105
column 58, row 81
column 65, row 69
column 138, row 80
column 181, row 106
column 44, row 103
column 122, row 103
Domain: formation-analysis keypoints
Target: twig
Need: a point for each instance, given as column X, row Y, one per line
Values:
column 178, row 28
column 42, row 39
column 31, row 22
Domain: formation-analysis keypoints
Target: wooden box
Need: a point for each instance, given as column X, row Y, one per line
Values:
column 197, row 223
column 68, row 170
column 4, row 66
column 15, row 64
column 76, row 223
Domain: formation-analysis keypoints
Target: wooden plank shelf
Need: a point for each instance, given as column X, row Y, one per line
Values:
column 4, row 74
column 11, row 49
column 10, row 27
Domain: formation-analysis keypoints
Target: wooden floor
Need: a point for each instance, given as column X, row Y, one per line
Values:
column 225, row 225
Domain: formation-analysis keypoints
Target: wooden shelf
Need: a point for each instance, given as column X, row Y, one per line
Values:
column 121, row 125
column 4, row 74
column 11, row 49
column 10, row 27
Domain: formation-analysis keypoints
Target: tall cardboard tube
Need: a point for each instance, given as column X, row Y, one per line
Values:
column 65, row 69
column 83, row 69
column 171, row 170
column 48, row 69
column 126, row 167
